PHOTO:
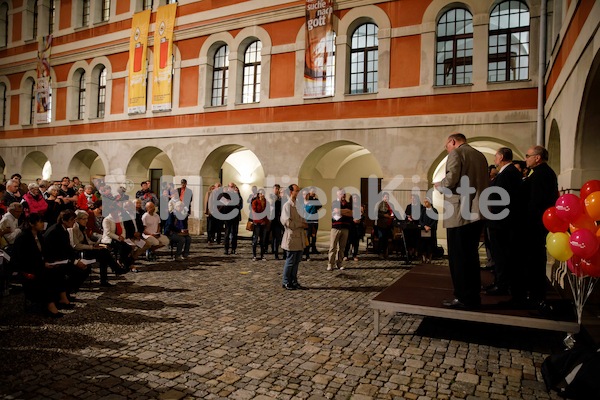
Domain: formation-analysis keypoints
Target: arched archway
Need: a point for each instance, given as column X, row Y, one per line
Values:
column 233, row 163
column 587, row 139
column 86, row 164
column 554, row 147
column 35, row 165
column 149, row 163
column 338, row 164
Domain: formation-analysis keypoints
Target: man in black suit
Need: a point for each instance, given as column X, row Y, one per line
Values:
column 57, row 247
column 503, row 224
column 540, row 191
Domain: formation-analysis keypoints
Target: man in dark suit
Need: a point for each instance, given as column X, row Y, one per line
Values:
column 466, row 177
column 540, row 191
column 57, row 247
column 502, row 224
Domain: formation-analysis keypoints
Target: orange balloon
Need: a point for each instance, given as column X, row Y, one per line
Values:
column 592, row 205
column 584, row 222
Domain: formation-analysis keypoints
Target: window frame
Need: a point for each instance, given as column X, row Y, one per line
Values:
column 105, row 11
column 366, row 51
column 3, row 100
column 101, row 100
column 85, row 12
column 252, row 80
column 51, row 15
column 4, row 24
column 223, row 80
column 31, row 118
column 81, row 93
column 455, row 60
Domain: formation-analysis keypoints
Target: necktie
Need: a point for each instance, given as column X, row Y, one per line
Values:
column 119, row 229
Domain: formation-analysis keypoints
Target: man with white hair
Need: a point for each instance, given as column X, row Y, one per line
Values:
column 12, row 194
column 9, row 225
column 151, row 232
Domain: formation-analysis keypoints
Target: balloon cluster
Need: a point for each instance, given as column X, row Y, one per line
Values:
column 574, row 235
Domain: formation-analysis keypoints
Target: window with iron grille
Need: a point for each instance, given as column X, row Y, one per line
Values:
column 454, row 54
column 105, row 10
column 31, row 102
column 364, row 59
column 252, row 69
column 81, row 105
column 51, row 15
column 220, row 76
column 85, row 13
column 508, row 46
column 3, row 24
column 2, row 105
column 101, row 93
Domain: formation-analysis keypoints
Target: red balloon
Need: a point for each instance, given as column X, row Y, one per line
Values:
column 591, row 267
column 552, row 222
column 568, row 207
column 589, row 187
column 574, row 265
column 583, row 243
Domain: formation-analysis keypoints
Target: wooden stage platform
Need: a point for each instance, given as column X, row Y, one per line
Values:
column 422, row 290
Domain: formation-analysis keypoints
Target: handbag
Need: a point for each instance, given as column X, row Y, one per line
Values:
column 250, row 226
column 425, row 234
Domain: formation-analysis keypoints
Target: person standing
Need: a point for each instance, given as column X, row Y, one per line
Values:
column 260, row 220
column 540, row 191
column 341, row 218
column 466, row 177
column 276, row 227
column 503, row 231
column 312, row 205
column 185, row 195
column 230, row 201
column 294, row 238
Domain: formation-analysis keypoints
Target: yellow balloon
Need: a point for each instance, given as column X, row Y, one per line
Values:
column 558, row 246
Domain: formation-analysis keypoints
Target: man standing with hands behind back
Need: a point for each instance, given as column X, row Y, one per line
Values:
column 466, row 177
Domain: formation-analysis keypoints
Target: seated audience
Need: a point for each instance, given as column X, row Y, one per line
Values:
column 151, row 232
column 58, row 248
column 92, row 250
column 86, row 199
column 9, row 225
column 42, row 282
column 55, row 205
column 176, row 229
column 12, row 194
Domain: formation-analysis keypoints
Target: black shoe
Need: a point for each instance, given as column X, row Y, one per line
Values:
column 233, row 252
column 298, row 286
column 496, row 291
column 227, row 253
column 459, row 305
column 276, row 257
column 64, row 306
column 288, row 287
column 106, row 284
column 315, row 251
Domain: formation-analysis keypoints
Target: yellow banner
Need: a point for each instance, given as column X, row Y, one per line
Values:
column 138, row 46
column 163, row 59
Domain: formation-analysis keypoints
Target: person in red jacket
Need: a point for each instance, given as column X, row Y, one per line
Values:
column 87, row 198
column 34, row 201
column 259, row 217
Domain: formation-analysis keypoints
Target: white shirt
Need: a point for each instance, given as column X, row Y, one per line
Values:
column 151, row 224
column 9, row 221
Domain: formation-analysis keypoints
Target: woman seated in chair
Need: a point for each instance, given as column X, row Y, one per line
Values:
column 42, row 282
column 92, row 250
column 176, row 229
column 113, row 235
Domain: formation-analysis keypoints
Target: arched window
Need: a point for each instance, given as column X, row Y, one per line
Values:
column 3, row 25
column 220, row 76
column 81, row 104
column 508, row 54
column 454, row 54
column 101, row 93
column 2, row 105
column 34, row 27
column 251, row 84
column 148, row 4
column 364, row 59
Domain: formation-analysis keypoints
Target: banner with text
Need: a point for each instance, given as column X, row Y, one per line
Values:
column 163, row 59
column 320, row 50
column 43, row 100
column 138, row 46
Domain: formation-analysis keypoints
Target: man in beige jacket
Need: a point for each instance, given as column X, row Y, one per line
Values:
column 294, row 239
column 466, row 177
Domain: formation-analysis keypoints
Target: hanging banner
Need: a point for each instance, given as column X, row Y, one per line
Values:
column 138, row 46
column 43, row 100
column 319, row 49
column 163, row 59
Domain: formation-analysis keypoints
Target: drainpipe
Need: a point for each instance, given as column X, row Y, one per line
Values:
column 540, row 136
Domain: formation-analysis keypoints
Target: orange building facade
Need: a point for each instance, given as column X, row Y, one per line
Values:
column 406, row 73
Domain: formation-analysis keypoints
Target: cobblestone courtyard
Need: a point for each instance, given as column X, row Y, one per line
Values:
column 217, row 326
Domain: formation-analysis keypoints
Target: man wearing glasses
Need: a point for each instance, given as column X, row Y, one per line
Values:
column 540, row 191
column 466, row 177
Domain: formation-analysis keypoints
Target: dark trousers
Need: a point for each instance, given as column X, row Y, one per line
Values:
column 181, row 244
column 259, row 238
column 383, row 236
column 353, row 239
column 74, row 277
column 535, row 265
column 463, row 259
column 215, row 226
column 231, row 234
column 276, row 236
column 501, row 240
column 104, row 259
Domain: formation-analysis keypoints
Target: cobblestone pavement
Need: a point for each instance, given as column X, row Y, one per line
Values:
column 217, row 326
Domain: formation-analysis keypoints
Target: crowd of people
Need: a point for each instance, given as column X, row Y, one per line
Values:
column 51, row 233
